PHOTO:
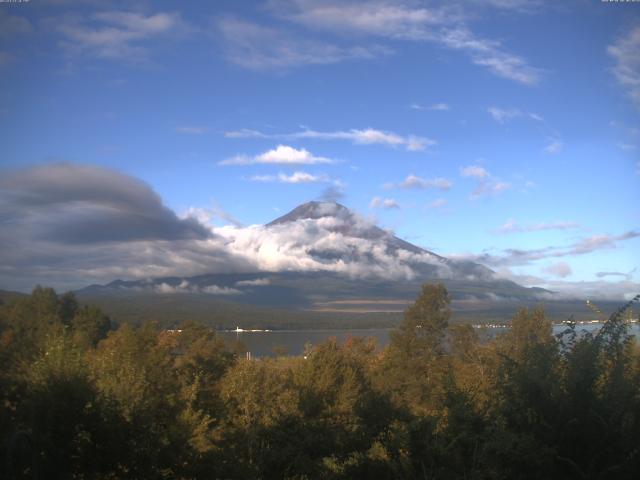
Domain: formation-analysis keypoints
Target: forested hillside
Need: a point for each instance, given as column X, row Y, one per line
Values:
column 83, row 400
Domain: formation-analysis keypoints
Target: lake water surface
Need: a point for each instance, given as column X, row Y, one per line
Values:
column 293, row 342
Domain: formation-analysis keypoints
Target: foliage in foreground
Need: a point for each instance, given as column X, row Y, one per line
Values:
column 79, row 400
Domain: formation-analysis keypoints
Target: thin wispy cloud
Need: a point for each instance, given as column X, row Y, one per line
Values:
column 511, row 226
column 474, row 171
column 295, row 177
column 487, row 189
column 415, row 182
column 627, row 62
column 491, row 54
column 627, row 147
column 207, row 216
column 623, row 289
column 502, row 115
column 281, row 155
column 626, row 276
column 366, row 136
column 192, row 130
column 506, row 115
column 486, row 184
column 522, row 257
column 256, row 47
column 437, row 203
column 120, row 35
column 524, row 6
column 443, row 26
column 442, row 107
column 554, row 146
column 246, row 133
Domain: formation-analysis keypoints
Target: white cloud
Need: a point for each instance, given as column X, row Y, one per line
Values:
column 386, row 203
column 435, row 107
column 296, row 177
column 258, row 282
column 366, row 136
column 415, row 182
column 559, row 269
column 511, row 226
column 281, row 155
column 185, row 287
column 474, row 171
column 216, row 290
column 290, row 155
column 627, row 68
column 554, row 146
column 339, row 242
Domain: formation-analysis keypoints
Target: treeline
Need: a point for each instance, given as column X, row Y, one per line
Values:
column 81, row 400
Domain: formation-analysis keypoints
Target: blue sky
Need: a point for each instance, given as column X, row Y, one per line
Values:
column 505, row 131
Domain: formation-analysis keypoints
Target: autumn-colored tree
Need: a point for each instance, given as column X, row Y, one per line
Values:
column 414, row 363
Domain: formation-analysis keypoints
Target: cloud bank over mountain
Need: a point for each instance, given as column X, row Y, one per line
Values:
column 69, row 225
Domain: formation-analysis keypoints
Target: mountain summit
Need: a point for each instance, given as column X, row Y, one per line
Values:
column 312, row 210
column 349, row 224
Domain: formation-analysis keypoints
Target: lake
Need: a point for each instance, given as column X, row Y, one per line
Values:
column 265, row 343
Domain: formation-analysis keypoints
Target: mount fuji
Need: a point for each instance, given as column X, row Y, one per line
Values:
column 320, row 258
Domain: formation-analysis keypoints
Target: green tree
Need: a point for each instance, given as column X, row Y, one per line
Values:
column 90, row 325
